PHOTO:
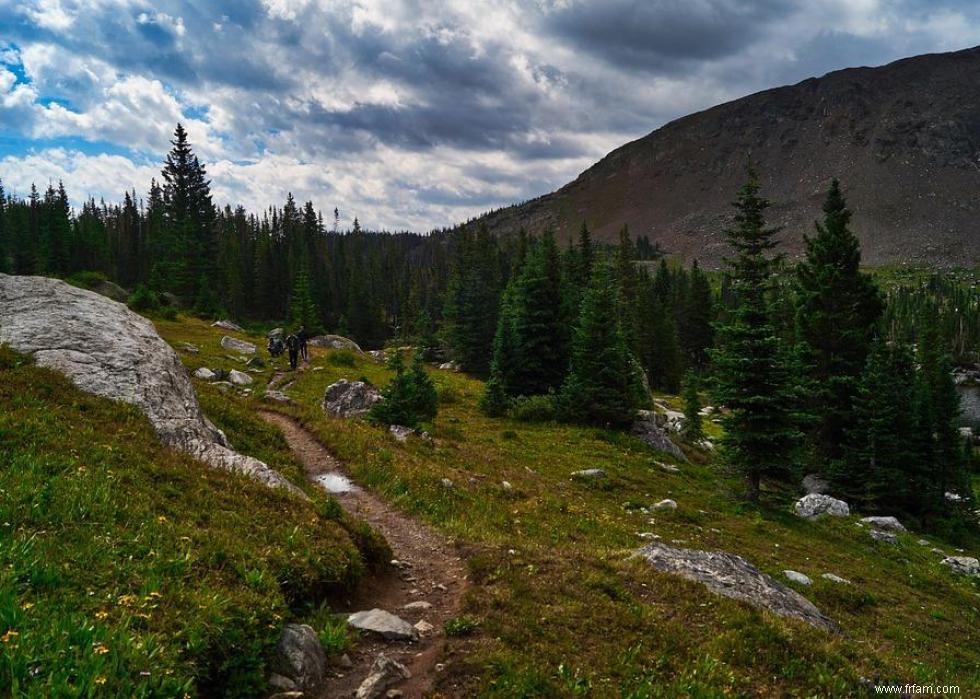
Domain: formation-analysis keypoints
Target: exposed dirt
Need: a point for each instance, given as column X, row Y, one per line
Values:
column 429, row 569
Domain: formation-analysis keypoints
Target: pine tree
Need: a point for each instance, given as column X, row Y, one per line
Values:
column 538, row 326
column 302, row 309
column 693, row 428
column 751, row 369
column 502, row 385
column 409, row 398
column 696, row 331
column 602, row 386
column 837, row 310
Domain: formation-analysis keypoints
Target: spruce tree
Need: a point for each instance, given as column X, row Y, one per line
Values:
column 410, row 396
column 837, row 310
column 302, row 309
column 693, row 430
column 538, row 322
column 752, row 376
column 696, row 331
column 502, row 386
column 602, row 386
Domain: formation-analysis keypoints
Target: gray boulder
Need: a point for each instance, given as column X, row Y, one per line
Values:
column 206, row 374
column 884, row 537
column 383, row 623
column 814, row 484
column 349, row 398
column 646, row 428
column 335, row 342
column 667, row 504
column 384, row 673
column 400, row 432
column 887, row 524
column 239, row 378
column 835, row 578
column 732, row 576
column 589, row 473
column 236, row 345
column 449, row 366
column 106, row 349
column 111, row 290
column 277, row 396
column 815, row 505
column 299, row 658
column 962, row 565
column 227, row 325
column 798, row 577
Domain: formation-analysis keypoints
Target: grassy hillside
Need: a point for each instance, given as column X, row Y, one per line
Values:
column 127, row 569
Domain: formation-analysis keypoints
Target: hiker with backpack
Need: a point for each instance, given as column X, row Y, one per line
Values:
column 292, row 346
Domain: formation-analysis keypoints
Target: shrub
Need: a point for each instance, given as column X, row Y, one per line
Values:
column 460, row 626
column 533, row 408
column 409, row 398
column 341, row 358
column 143, row 299
column 86, row 280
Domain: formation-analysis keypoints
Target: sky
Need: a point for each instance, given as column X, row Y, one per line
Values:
column 409, row 115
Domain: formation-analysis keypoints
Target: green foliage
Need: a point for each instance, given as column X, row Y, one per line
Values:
column 143, row 299
column 602, row 386
column 460, row 626
column 87, row 279
column 540, row 408
column 410, row 398
column 752, row 369
column 693, row 429
column 836, row 313
column 302, row 309
column 342, row 358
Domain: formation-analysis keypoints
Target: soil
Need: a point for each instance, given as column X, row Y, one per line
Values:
column 429, row 568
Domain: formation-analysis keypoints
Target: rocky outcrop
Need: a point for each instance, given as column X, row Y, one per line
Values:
column 349, row 398
column 963, row 565
column 815, row 505
column 646, row 428
column 227, row 325
column 298, row 661
column 335, row 342
column 205, row 374
column 732, row 576
column 239, row 378
column 107, row 350
column 886, row 524
column 236, row 345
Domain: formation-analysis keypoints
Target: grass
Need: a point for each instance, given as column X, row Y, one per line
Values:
column 558, row 608
column 127, row 569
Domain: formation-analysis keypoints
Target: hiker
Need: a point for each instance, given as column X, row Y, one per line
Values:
column 302, row 336
column 275, row 346
column 292, row 345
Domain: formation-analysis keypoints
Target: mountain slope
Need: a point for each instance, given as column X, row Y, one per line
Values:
column 904, row 139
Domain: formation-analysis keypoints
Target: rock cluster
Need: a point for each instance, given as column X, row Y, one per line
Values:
column 345, row 398
column 816, row 505
column 646, row 428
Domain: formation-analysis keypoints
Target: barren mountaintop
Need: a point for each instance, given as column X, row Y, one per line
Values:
column 904, row 139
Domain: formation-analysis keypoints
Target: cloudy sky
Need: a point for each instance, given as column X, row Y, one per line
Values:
column 407, row 114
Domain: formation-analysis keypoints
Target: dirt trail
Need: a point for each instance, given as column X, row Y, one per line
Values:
column 430, row 570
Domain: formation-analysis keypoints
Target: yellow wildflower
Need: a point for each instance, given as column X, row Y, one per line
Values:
column 127, row 600
column 100, row 680
column 161, row 519
column 26, row 605
column 7, row 637
column 100, row 649
column 155, row 594
column 100, row 615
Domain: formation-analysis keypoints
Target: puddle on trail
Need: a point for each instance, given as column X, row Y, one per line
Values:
column 334, row 482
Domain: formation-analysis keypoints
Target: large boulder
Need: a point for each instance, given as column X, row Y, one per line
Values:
column 384, row 673
column 236, row 345
column 646, row 428
column 298, row 658
column 345, row 398
column 335, row 342
column 239, row 378
column 106, row 349
column 885, row 524
column 732, row 576
column 964, row 565
column 815, row 505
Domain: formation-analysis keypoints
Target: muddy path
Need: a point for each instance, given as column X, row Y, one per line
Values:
column 429, row 569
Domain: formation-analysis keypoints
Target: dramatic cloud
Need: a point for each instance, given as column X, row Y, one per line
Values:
column 406, row 113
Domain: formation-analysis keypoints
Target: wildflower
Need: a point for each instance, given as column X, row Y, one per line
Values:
column 161, row 519
column 100, row 615
column 155, row 594
column 9, row 636
column 26, row 606
column 127, row 600
column 100, row 680
column 100, row 649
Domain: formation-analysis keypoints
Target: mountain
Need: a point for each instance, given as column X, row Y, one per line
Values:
column 904, row 139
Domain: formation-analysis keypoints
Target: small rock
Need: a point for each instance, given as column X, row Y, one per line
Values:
column 188, row 347
column 277, row 396
column 962, row 565
column 888, row 524
column 394, row 694
column 299, row 657
column 239, row 378
column 400, row 432
column 449, row 366
column 423, row 627
column 227, row 325
column 384, row 624
column 798, row 577
column 447, row 484
column 283, row 684
column 231, row 343
column 666, row 504
column 938, row 552
column 345, row 661
column 835, row 578
column 924, row 542
column 384, row 673
column 420, row 605
column 815, row 505
column 589, row 473
column 287, row 695
column 884, row 537
column 669, row 468
column 506, row 485
column 440, row 667
column 255, row 363
column 205, row 374
column 647, row 536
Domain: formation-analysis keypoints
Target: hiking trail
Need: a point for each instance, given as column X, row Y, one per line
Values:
column 429, row 569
